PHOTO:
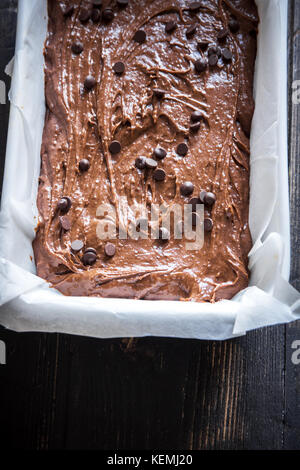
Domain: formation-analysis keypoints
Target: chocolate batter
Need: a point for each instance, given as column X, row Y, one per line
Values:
column 152, row 101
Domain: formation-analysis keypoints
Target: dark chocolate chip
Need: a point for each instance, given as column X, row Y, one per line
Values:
column 90, row 250
column 67, row 10
column 202, row 45
column 64, row 204
column 159, row 174
column 84, row 14
column 233, row 25
column 193, row 202
column 119, row 68
column 89, row 82
column 89, row 258
column 150, row 163
column 209, row 199
column 97, row 3
column 77, row 245
column 222, row 34
column 196, row 116
column 159, row 153
column 186, row 188
column 140, row 163
column 163, row 234
column 114, row 147
column 195, row 127
column 65, row 222
column 182, row 149
column 200, row 65
column 77, row 47
column 214, row 50
column 110, row 249
column 191, row 30
column 140, row 36
column 208, row 224
column 194, row 6
column 107, row 15
column 84, row 164
column 122, row 3
column 158, row 93
column 213, row 60
column 96, row 15
column 227, row 54
column 170, row 27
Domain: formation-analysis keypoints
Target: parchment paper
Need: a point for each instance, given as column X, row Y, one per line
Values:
column 29, row 304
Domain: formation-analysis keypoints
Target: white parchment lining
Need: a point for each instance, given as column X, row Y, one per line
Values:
column 28, row 304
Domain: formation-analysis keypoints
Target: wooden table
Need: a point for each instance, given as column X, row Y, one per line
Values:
column 59, row 391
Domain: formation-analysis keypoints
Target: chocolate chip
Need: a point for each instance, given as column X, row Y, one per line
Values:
column 222, row 34
column 89, row 82
column 159, row 153
column 233, row 25
column 67, row 10
column 96, row 15
column 195, row 127
column 209, row 199
column 170, row 27
column 122, row 3
column 89, row 258
column 110, row 249
column 77, row 47
column 150, row 163
column 208, row 224
column 202, row 45
column 196, row 116
column 200, row 65
column 194, row 6
column 159, row 174
column 64, row 204
column 77, row 245
column 163, row 234
column 84, row 14
column 140, row 36
column 107, row 15
column 191, row 30
column 90, row 250
column 213, row 60
column 193, row 202
column 227, row 54
column 140, row 163
column 158, row 93
column 214, row 50
column 84, row 164
column 97, row 3
column 186, row 188
column 65, row 222
column 114, row 147
column 119, row 68
column 182, row 149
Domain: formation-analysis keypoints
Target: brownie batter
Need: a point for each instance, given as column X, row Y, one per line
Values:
column 152, row 101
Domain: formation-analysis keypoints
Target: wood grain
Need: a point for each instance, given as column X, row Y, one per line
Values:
column 66, row 392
